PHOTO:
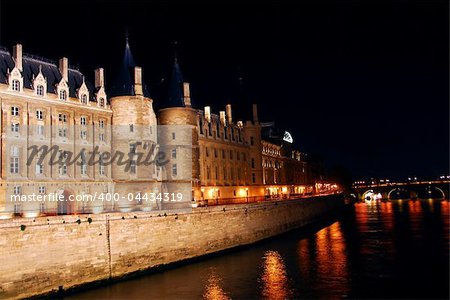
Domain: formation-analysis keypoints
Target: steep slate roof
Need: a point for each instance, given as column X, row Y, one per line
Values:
column 124, row 83
column 175, row 98
column 49, row 69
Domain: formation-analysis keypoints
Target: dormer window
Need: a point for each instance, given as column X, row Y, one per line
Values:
column 40, row 90
column 15, row 85
column 101, row 102
column 63, row 95
column 84, row 99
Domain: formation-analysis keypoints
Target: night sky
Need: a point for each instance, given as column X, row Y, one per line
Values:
column 363, row 84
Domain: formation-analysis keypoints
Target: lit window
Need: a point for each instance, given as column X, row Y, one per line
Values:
column 16, row 85
column 40, row 90
column 84, row 99
column 63, row 95
column 39, row 115
column 14, row 111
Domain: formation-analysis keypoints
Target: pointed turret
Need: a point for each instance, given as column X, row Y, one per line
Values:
column 179, row 92
column 126, row 83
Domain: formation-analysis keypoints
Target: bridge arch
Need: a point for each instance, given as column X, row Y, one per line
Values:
column 399, row 191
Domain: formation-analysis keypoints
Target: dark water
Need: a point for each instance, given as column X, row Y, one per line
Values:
column 397, row 249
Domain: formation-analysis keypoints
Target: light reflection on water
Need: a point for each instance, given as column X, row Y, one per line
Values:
column 379, row 250
column 213, row 288
column 274, row 278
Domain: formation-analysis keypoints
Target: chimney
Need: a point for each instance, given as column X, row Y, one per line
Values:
column 222, row 118
column 64, row 68
column 17, row 55
column 187, row 94
column 255, row 113
column 138, row 80
column 228, row 111
column 99, row 78
column 208, row 114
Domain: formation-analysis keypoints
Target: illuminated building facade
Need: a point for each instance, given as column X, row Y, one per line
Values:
column 48, row 103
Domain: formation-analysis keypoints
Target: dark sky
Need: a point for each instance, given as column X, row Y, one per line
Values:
column 365, row 84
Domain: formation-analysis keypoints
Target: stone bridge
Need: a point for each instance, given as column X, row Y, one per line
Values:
column 408, row 190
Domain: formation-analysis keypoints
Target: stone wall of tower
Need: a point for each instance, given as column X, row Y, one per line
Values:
column 184, row 116
column 134, row 123
column 252, row 134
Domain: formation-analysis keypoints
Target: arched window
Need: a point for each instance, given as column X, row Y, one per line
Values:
column 84, row 99
column 16, row 85
column 63, row 95
column 101, row 102
column 40, row 90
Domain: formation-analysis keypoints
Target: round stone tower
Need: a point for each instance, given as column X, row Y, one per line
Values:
column 134, row 140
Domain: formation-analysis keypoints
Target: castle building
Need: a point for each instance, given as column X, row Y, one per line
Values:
column 212, row 158
column 233, row 161
column 45, row 103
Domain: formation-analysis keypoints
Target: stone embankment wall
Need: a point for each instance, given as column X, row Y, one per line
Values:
column 45, row 254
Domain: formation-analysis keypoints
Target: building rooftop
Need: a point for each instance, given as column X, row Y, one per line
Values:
column 50, row 70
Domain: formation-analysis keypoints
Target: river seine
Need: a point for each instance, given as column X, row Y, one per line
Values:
column 395, row 249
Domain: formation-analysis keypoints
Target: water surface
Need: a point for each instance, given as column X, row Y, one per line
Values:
column 396, row 249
